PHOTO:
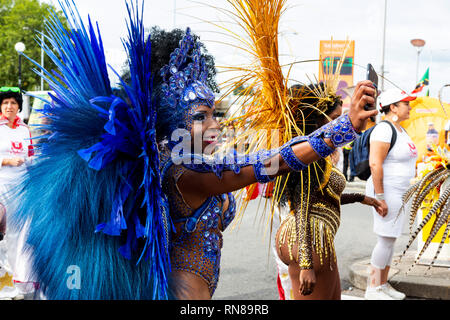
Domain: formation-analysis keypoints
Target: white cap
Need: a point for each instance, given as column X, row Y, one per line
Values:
column 391, row 96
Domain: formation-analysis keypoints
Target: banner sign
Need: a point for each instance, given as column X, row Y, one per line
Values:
column 330, row 55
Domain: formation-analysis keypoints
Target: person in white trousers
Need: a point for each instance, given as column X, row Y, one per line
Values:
column 392, row 172
column 16, row 151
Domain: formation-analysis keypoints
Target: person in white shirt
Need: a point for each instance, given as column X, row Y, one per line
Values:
column 432, row 136
column 447, row 131
column 16, row 151
column 391, row 174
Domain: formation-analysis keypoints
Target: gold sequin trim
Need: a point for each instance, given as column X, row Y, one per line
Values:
column 288, row 234
column 332, row 194
column 323, row 240
column 326, row 174
column 322, row 236
column 323, row 211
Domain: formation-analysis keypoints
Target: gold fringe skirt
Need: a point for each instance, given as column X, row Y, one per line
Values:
column 321, row 234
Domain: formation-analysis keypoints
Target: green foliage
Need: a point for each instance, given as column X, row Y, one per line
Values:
column 243, row 91
column 21, row 21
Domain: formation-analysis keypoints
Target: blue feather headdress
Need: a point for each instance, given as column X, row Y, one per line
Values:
column 95, row 189
column 183, row 85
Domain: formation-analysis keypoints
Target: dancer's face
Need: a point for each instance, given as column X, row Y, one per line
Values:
column 204, row 125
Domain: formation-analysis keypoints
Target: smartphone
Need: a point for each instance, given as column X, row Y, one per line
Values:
column 373, row 77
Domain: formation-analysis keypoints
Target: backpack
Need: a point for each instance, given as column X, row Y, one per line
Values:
column 359, row 155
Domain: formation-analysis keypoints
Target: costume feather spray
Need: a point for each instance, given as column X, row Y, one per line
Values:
column 430, row 193
column 93, row 198
column 273, row 115
column 268, row 120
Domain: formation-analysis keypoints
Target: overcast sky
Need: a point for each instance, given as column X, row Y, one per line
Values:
column 302, row 26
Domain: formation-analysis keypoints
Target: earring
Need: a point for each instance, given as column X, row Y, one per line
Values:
column 395, row 118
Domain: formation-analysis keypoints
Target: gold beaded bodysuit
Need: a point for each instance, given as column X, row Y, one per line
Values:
column 315, row 215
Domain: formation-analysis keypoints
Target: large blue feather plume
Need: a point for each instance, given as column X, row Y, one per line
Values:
column 94, row 195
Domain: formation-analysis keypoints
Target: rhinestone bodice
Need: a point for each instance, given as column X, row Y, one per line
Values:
column 196, row 241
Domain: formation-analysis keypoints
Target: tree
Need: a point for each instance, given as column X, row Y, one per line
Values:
column 21, row 21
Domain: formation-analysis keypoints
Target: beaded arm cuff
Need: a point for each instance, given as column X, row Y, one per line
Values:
column 347, row 198
column 340, row 131
column 257, row 160
column 261, row 174
column 291, row 159
column 233, row 162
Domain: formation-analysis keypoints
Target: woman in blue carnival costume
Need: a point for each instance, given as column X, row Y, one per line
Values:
column 118, row 202
column 199, row 188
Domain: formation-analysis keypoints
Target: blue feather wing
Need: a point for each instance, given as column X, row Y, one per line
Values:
column 95, row 189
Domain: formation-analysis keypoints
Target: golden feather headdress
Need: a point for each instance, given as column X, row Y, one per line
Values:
column 271, row 114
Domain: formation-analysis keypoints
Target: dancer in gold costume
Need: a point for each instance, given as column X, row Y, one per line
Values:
column 305, row 239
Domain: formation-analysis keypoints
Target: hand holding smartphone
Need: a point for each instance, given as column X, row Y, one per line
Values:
column 373, row 77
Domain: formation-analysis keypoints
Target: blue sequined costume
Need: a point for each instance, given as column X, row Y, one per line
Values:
column 196, row 242
column 197, row 239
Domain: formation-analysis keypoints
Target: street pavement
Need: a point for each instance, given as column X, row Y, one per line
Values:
column 249, row 271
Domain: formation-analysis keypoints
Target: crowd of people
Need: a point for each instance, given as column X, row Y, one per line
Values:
column 174, row 213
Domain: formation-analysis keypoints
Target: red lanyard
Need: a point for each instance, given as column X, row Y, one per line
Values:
column 15, row 122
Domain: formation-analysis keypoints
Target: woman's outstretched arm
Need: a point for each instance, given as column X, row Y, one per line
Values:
column 295, row 155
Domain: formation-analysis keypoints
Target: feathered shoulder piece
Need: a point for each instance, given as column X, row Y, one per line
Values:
column 431, row 194
column 100, row 205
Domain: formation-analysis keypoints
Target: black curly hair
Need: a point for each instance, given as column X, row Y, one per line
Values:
column 11, row 94
column 303, row 97
column 163, row 43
